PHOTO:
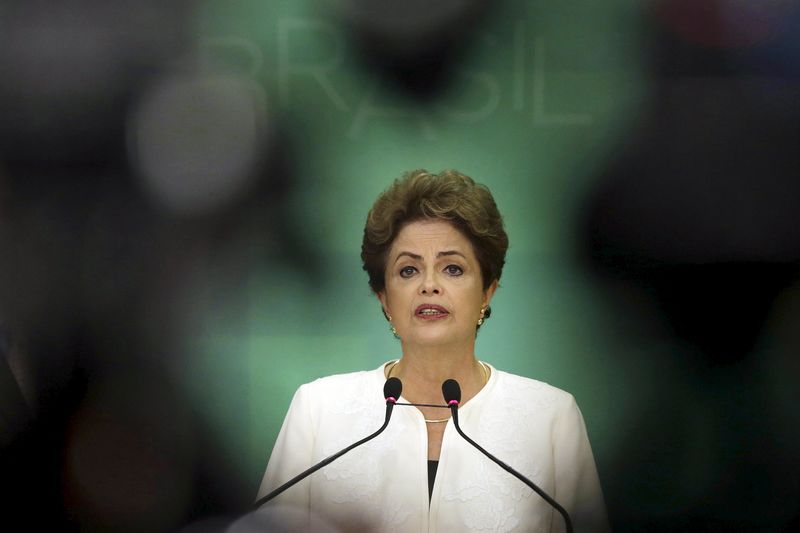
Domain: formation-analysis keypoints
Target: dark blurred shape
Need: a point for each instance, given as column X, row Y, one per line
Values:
column 282, row 518
column 15, row 414
column 696, row 215
column 127, row 186
column 416, row 44
column 69, row 69
column 97, row 283
column 730, row 39
column 724, row 23
column 130, row 456
column 701, row 206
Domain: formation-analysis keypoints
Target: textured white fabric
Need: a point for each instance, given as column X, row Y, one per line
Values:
column 383, row 486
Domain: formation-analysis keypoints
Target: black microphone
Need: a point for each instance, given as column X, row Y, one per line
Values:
column 391, row 391
column 452, row 396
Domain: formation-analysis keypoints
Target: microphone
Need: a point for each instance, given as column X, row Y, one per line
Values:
column 451, row 391
column 391, row 392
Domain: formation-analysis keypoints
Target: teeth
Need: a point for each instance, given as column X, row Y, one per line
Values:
column 430, row 312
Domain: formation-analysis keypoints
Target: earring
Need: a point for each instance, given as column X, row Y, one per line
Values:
column 391, row 326
column 480, row 320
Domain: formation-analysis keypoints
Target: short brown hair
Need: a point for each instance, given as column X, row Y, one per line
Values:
column 449, row 196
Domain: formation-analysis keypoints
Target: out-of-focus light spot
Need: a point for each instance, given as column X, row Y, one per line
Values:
column 198, row 141
column 724, row 23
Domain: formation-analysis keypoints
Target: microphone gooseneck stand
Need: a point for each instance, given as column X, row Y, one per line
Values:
column 452, row 396
column 391, row 391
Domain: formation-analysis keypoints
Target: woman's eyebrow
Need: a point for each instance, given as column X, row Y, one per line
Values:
column 418, row 257
column 450, row 252
column 409, row 254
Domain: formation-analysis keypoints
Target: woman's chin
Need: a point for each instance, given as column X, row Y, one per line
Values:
column 431, row 338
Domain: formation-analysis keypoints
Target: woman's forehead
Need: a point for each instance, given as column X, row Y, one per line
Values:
column 423, row 235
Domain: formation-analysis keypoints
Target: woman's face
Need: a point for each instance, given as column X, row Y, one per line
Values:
column 434, row 290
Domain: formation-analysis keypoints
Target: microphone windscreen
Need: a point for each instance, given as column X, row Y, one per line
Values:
column 451, row 391
column 392, row 388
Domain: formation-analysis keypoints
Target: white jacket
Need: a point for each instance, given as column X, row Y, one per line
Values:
column 383, row 485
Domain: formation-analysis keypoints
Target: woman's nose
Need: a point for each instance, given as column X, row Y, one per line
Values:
column 430, row 285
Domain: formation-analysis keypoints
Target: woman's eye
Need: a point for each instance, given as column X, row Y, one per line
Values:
column 454, row 270
column 407, row 272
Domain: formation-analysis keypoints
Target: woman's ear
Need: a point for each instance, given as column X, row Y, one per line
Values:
column 384, row 307
column 489, row 293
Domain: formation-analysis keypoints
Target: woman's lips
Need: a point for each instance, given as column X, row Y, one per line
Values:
column 430, row 312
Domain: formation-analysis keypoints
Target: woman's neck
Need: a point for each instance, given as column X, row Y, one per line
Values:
column 423, row 371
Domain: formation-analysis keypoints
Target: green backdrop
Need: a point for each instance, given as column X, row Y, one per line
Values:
column 545, row 94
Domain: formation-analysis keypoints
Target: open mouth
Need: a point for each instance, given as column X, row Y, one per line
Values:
column 431, row 311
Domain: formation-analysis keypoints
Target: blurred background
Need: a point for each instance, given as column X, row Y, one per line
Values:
column 183, row 188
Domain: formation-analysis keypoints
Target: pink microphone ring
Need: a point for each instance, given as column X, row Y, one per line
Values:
column 391, row 399
column 451, row 402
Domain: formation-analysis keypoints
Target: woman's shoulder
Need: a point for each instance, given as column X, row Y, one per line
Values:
column 531, row 390
column 350, row 393
column 346, row 384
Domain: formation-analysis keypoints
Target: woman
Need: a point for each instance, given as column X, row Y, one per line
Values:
column 434, row 248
